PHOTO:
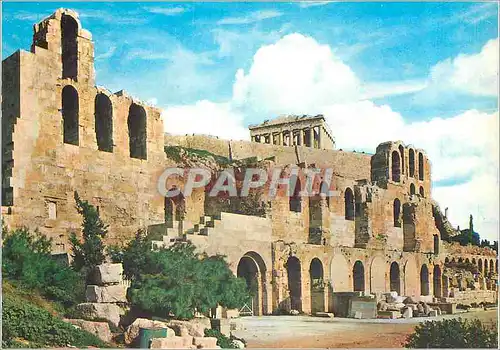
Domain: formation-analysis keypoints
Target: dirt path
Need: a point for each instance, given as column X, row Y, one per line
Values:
column 310, row 332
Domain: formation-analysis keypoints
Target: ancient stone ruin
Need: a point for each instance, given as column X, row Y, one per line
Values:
column 314, row 255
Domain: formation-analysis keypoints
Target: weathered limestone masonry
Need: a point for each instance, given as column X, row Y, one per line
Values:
column 62, row 134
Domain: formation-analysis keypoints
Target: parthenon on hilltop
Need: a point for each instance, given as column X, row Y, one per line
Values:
column 309, row 131
column 383, row 232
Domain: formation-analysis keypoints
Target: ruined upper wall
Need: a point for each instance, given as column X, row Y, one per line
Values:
column 345, row 164
column 65, row 135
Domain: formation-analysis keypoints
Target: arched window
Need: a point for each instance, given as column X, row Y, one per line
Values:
column 424, row 280
column 397, row 213
column 69, row 47
column 420, row 166
column 436, row 244
column 70, row 107
column 349, row 204
column 294, row 201
column 421, row 191
column 437, row 279
column 402, row 153
column 137, row 131
column 411, row 162
column 412, row 189
column 358, row 276
column 395, row 283
column 396, row 166
column 103, row 123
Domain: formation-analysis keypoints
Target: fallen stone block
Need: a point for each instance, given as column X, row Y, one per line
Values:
column 238, row 344
column 99, row 329
column 106, row 294
column 168, row 343
column 108, row 312
column 408, row 312
column 105, row 274
column 410, row 300
column 222, row 325
column 391, row 297
column 432, row 313
column 324, row 314
column 389, row 314
column 231, row 313
column 195, row 327
column 132, row 331
column 205, row 342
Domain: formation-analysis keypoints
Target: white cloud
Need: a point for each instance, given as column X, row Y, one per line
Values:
column 306, row 4
column 294, row 75
column 205, row 117
column 253, row 17
column 474, row 74
column 297, row 75
column 167, row 11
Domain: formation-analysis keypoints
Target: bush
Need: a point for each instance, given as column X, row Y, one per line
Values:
column 26, row 325
column 453, row 333
column 176, row 280
column 223, row 341
column 26, row 261
column 90, row 252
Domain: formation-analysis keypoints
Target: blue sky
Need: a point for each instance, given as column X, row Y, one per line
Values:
column 425, row 73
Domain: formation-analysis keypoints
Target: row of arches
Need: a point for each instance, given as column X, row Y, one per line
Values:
column 398, row 166
column 103, row 118
column 484, row 266
column 253, row 269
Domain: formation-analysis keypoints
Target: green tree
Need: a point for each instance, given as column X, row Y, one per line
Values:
column 90, row 252
column 453, row 333
column 178, row 281
column 26, row 261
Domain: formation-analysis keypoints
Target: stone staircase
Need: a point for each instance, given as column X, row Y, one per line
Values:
column 179, row 231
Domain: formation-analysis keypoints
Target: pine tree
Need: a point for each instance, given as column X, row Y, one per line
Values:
column 90, row 252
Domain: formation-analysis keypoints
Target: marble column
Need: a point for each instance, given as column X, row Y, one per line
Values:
column 311, row 137
column 301, row 137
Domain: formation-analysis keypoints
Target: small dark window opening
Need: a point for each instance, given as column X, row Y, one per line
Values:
column 104, row 123
column 70, row 108
column 137, row 131
column 412, row 189
column 294, row 200
column 349, row 204
column 411, row 162
column 421, row 191
column 69, row 43
column 402, row 153
column 396, row 166
column 420, row 166
column 397, row 213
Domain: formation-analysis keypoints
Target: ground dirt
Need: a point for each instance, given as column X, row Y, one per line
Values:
column 315, row 332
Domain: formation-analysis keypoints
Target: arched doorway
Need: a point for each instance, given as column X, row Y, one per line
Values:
column 395, row 279
column 358, row 276
column 424, row 280
column 436, row 281
column 317, row 286
column 252, row 268
column 412, row 189
column 293, row 270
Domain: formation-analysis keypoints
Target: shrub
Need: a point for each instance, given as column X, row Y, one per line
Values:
column 90, row 252
column 26, row 260
column 176, row 280
column 453, row 333
column 223, row 341
column 26, row 325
